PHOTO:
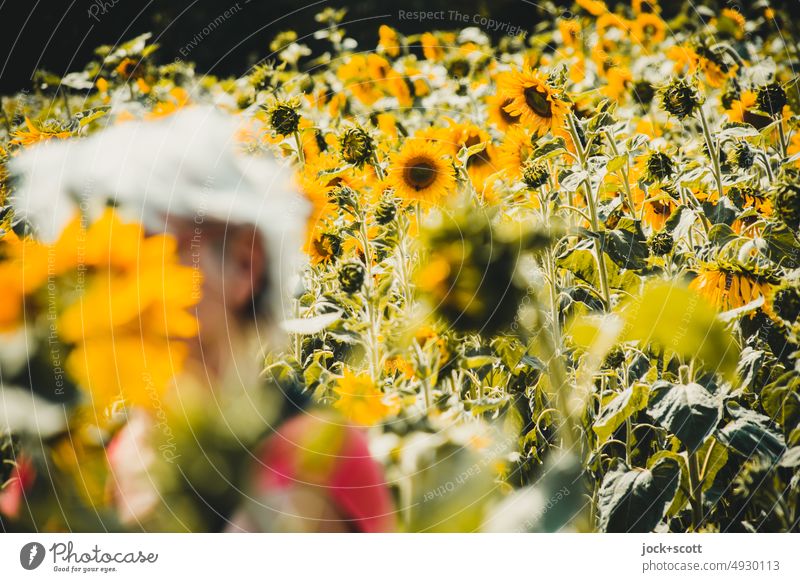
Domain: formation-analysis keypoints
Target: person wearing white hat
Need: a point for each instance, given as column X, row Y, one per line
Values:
column 238, row 219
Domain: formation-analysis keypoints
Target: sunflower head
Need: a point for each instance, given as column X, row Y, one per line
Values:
column 786, row 197
column 458, row 67
column 730, row 283
column 680, row 98
column 421, row 171
column 344, row 196
column 351, row 276
column 658, row 167
column 771, row 98
column 643, row 92
column 283, row 117
column 661, row 243
column 535, row 174
column 324, row 247
column 742, row 156
column 784, row 303
column 533, row 100
column 386, row 209
column 356, row 146
column 468, row 277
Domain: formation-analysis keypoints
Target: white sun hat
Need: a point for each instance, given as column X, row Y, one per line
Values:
column 188, row 165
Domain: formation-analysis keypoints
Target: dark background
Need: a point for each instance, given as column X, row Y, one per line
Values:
column 60, row 36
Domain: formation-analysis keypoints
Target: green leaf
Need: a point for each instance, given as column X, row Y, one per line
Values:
column 616, row 163
column 751, row 434
column 636, row 500
column 621, row 406
column 679, row 321
column 582, row 263
column 736, row 129
column 713, row 457
column 782, row 246
column 688, row 411
column 791, row 459
column 625, row 249
column 721, row 234
column 549, row 149
column 781, row 400
column 682, row 493
column 472, row 362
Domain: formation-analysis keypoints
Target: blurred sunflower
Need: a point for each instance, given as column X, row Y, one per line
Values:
column 421, row 171
column 533, row 100
column 729, row 286
column 32, row 135
column 361, row 401
column 498, row 114
column 648, row 29
column 515, row 150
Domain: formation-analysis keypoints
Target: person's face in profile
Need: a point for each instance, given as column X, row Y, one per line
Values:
column 230, row 263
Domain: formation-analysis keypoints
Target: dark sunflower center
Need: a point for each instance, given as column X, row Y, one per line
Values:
column 507, row 117
column 479, row 158
column 537, row 101
column 419, row 174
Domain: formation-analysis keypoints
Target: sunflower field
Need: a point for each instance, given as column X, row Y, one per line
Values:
column 554, row 277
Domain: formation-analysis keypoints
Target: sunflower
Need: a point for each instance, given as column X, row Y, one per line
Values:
column 498, row 115
column 361, row 401
column 730, row 22
column 432, row 48
column 32, row 135
column 482, row 164
column 389, row 41
column 570, row 30
column 421, row 171
column 515, row 151
column 745, row 110
column 729, row 287
column 648, row 29
column 322, row 247
column 593, row 7
column 122, row 304
column 656, row 207
column 533, row 100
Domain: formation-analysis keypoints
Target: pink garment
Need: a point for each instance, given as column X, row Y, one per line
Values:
column 319, row 451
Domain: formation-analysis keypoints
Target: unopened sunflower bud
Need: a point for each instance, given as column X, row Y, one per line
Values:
column 786, row 198
column 771, row 98
column 386, row 211
column 283, row 118
column 643, row 92
column 535, row 174
column 742, row 156
column 351, row 276
column 659, row 167
column 614, row 358
column 356, row 146
column 680, row 98
column 786, row 302
column 343, row 196
column 661, row 244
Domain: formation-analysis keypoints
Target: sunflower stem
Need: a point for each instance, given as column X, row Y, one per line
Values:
column 591, row 203
column 712, row 152
column 376, row 164
column 696, row 491
column 782, row 137
column 624, row 174
column 301, row 156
